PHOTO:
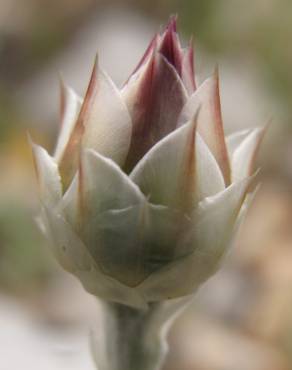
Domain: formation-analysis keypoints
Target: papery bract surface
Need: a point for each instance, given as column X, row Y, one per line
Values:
column 142, row 195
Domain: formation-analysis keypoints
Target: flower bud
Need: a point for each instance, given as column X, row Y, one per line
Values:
column 143, row 193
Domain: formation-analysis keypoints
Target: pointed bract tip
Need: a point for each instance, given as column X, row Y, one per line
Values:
column 34, row 147
column 216, row 80
column 190, row 48
column 61, row 81
column 170, row 29
column 62, row 95
column 172, row 24
column 95, row 64
column 170, row 46
column 216, row 73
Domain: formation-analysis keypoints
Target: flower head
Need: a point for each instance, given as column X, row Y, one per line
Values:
column 143, row 192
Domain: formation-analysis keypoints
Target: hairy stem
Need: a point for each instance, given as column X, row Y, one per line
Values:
column 133, row 339
column 127, row 340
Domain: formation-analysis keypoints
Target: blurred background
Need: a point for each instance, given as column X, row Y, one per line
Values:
column 241, row 318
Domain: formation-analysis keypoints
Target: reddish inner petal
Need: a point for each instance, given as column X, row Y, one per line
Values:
column 170, row 48
column 155, row 107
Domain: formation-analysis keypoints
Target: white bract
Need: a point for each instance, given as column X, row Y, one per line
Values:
column 142, row 195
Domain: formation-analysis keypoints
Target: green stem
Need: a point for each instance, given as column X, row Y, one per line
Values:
column 133, row 339
column 126, row 339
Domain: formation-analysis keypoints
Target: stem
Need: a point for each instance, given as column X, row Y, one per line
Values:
column 137, row 350
column 127, row 339
column 134, row 339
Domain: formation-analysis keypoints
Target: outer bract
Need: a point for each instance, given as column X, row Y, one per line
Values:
column 143, row 193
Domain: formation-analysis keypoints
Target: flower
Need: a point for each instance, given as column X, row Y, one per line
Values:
column 143, row 192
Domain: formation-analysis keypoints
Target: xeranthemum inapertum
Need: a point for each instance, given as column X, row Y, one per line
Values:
column 142, row 194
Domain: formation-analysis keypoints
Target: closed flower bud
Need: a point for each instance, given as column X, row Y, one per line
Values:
column 143, row 192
